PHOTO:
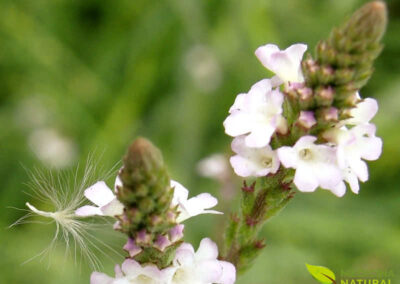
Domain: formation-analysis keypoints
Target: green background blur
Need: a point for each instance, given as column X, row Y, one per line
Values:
column 81, row 77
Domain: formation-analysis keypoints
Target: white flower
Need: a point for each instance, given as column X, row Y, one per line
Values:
column 285, row 64
column 315, row 165
column 214, row 166
column 257, row 113
column 351, row 178
column 101, row 195
column 253, row 161
column 353, row 146
column 194, row 206
column 363, row 112
column 202, row 267
column 133, row 272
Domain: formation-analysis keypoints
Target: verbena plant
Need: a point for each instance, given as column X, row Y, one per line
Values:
column 305, row 128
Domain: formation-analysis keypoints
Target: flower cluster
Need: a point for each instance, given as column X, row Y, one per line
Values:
column 200, row 267
column 262, row 124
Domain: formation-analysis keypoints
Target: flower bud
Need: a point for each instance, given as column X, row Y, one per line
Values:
column 324, row 96
column 306, row 120
column 162, row 242
column 147, row 194
column 325, row 75
column 305, row 97
column 344, row 75
column 132, row 248
column 330, row 114
column 310, row 69
column 176, row 233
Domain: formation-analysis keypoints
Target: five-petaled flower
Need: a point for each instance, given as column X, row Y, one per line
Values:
column 193, row 206
column 202, row 266
column 101, row 195
column 253, row 161
column 315, row 165
column 285, row 64
column 256, row 114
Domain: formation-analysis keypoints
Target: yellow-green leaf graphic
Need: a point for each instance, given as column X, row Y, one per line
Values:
column 322, row 274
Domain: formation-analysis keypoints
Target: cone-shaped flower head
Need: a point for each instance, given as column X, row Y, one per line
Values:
column 146, row 193
column 344, row 61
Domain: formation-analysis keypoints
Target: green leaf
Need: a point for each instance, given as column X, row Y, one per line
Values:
column 322, row 274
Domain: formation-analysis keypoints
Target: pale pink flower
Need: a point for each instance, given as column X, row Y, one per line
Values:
column 315, row 164
column 363, row 112
column 202, row 266
column 284, row 63
column 256, row 114
column 193, row 206
column 355, row 145
column 253, row 161
column 132, row 272
column 102, row 196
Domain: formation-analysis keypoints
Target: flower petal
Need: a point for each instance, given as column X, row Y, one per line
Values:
column 285, row 64
column 180, row 192
column 114, row 208
column 207, row 250
column 88, row 210
column 288, row 157
column 131, row 268
column 363, row 112
column 202, row 201
column 260, row 136
column 99, row 193
column 241, row 166
column 228, row 273
column 339, row 190
column 237, row 123
column 305, row 179
column 100, row 278
column 132, row 248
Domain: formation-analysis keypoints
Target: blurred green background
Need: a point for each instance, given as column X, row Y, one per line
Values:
column 81, row 77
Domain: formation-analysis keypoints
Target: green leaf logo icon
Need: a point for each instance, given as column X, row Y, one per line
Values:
column 322, row 274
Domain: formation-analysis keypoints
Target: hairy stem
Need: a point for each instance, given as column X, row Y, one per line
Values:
column 257, row 207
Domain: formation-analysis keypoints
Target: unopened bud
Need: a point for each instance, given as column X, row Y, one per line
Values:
column 325, row 75
column 324, row 96
column 369, row 22
column 305, row 97
column 143, row 237
column 352, row 100
column 330, row 114
column 306, row 119
column 345, row 113
column 344, row 75
column 282, row 126
column 176, row 233
column 162, row 243
column 325, row 53
column 131, row 247
column 156, row 220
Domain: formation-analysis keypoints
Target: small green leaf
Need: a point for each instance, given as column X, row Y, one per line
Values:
column 321, row 274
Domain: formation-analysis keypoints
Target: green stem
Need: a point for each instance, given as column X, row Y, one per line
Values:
column 258, row 206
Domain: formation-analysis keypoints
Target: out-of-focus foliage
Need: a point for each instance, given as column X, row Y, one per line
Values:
column 81, row 77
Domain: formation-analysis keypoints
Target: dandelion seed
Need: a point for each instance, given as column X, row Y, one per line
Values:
column 65, row 193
